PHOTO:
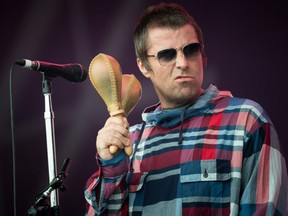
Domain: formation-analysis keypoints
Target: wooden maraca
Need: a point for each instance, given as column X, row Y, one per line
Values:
column 106, row 76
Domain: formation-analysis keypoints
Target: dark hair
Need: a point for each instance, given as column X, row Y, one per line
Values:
column 167, row 15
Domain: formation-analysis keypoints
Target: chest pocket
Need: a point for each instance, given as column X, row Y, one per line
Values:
column 206, row 179
column 136, row 181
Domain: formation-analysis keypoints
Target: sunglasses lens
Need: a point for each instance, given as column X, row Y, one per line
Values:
column 192, row 50
column 166, row 56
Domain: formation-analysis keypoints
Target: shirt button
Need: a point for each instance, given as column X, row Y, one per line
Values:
column 205, row 174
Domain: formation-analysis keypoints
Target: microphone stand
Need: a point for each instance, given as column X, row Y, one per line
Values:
column 50, row 136
column 51, row 150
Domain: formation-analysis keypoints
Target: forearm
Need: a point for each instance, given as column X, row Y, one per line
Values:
column 106, row 184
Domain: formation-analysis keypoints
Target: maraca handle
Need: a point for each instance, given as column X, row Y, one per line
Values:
column 113, row 149
column 128, row 149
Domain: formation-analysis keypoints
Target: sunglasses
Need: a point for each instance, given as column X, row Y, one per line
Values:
column 168, row 56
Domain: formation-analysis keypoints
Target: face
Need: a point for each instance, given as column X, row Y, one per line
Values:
column 179, row 83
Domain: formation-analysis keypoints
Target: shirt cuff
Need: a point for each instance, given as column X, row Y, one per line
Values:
column 115, row 167
column 113, row 161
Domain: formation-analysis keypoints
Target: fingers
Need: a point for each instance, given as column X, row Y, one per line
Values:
column 115, row 132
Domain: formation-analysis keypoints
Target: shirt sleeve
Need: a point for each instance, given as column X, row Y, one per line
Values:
column 105, row 191
column 264, row 175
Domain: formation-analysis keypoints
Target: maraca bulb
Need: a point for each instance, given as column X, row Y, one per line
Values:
column 106, row 76
column 131, row 92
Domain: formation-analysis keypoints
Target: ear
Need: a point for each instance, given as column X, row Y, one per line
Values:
column 142, row 68
column 204, row 60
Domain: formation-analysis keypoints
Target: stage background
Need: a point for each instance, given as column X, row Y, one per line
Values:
column 245, row 41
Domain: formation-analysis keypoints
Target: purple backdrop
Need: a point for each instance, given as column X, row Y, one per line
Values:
column 246, row 44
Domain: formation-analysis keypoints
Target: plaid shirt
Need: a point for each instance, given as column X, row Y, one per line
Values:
column 218, row 156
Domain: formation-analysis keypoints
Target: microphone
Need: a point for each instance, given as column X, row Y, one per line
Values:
column 71, row 72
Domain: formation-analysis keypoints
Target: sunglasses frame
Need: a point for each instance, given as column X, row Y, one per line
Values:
column 161, row 52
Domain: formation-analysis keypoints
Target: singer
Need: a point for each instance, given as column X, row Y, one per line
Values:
column 197, row 152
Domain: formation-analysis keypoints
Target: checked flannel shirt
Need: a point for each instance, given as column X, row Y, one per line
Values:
column 218, row 156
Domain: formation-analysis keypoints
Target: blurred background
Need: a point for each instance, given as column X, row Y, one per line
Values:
column 245, row 41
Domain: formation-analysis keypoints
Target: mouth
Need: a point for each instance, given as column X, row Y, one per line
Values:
column 184, row 78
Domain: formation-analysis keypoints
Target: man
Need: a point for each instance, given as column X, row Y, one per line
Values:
column 197, row 152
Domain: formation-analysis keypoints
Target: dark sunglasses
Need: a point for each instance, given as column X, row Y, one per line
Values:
column 168, row 56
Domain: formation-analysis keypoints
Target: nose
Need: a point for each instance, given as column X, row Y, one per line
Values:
column 181, row 61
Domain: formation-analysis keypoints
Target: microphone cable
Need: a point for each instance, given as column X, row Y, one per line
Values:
column 12, row 138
